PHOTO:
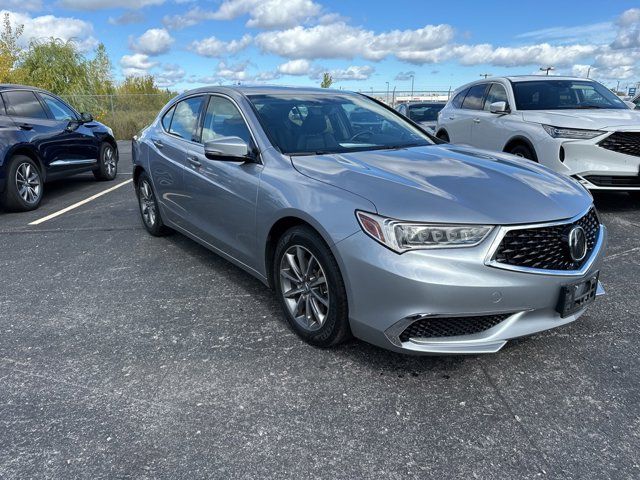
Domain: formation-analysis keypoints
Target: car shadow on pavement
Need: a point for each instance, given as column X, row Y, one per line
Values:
column 615, row 202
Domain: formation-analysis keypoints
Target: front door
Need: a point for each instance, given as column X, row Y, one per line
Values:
column 222, row 194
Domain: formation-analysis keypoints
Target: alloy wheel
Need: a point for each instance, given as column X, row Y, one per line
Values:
column 28, row 183
column 147, row 204
column 109, row 160
column 304, row 287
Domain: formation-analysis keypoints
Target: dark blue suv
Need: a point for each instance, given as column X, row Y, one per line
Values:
column 41, row 139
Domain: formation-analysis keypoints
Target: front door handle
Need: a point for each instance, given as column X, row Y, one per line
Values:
column 476, row 120
column 195, row 163
column 25, row 126
column 158, row 143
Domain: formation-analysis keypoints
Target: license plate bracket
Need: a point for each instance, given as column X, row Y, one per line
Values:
column 577, row 296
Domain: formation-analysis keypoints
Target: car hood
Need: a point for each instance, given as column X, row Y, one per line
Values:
column 606, row 119
column 452, row 184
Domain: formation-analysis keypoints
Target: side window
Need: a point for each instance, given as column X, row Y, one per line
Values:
column 166, row 118
column 223, row 119
column 58, row 109
column 185, row 117
column 497, row 93
column 23, row 103
column 473, row 100
column 459, row 98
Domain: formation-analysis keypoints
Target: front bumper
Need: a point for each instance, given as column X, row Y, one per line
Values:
column 597, row 168
column 387, row 291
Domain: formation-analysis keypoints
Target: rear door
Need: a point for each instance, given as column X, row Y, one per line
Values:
column 451, row 117
column 170, row 144
column 467, row 115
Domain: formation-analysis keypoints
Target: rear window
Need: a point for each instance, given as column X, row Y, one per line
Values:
column 23, row 103
column 166, row 119
column 473, row 100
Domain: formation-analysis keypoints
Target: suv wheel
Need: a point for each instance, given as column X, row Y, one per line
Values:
column 107, row 163
column 444, row 136
column 310, row 288
column 24, row 187
column 523, row 151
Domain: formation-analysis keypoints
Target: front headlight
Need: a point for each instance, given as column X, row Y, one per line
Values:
column 575, row 133
column 403, row 236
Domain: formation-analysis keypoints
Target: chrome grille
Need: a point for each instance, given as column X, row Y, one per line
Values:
column 546, row 247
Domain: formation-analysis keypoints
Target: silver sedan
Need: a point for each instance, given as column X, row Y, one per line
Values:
column 364, row 225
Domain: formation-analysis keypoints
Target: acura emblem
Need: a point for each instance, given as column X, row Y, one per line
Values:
column 577, row 244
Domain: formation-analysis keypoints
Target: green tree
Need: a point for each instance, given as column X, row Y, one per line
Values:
column 99, row 72
column 9, row 49
column 327, row 80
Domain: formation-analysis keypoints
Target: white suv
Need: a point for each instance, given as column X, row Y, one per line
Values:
column 573, row 125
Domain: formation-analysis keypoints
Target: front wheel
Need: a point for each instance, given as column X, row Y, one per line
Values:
column 523, row 151
column 23, row 191
column 310, row 288
column 107, row 163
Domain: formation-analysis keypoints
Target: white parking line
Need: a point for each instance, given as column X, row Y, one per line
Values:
column 79, row 204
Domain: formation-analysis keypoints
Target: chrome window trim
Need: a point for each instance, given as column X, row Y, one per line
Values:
column 503, row 230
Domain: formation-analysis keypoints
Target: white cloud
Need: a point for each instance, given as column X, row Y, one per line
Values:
column 154, row 41
column 629, row 30
column 137, row 64
column 103, row 4
column 295, row 67
column 352, row 72
column 24, row 5
column 263, row 14
column 127, row 18
column 602, row 32
column 404, row 76
column 340, row 40
column 213, row 47
column 50, row 26
column 169, row 76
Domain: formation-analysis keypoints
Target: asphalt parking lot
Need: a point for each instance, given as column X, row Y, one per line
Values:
column 128, row 356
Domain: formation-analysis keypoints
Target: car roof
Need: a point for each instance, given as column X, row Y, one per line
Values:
column 539, row 78
column 14, row 86
column 266, row 90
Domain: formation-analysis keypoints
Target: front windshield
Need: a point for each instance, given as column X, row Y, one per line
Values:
column 425, row 112
column 306, row 124
column 564, row 95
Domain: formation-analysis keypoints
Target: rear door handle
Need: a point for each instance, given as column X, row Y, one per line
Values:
column 25, row 126
column 194, row 162
column 158, row 143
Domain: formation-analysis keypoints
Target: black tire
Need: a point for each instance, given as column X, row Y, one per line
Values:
column 107, row 163
column 635, row 195
column 521, row 150
column 335, row 327
column 13, row 195
column 149, row 208
column 444, row 136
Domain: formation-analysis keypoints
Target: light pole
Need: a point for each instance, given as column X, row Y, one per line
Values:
column 546, row 69
column 387, row 92
column 588, row 71
column 412, row 78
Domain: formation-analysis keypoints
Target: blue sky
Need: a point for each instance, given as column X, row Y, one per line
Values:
column 364, row 45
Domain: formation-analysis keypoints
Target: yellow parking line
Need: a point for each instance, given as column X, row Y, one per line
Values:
column 79, row 204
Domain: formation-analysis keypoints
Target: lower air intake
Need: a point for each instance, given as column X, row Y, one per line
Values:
column 437, row 327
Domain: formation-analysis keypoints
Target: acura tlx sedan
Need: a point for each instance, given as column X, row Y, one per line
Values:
column 370, row 229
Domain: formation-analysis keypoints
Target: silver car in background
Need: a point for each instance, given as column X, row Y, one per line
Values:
column 364, row 225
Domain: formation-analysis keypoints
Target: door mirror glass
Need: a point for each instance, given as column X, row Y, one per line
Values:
column 86, row 117
column 232, row 149
column 499, row 107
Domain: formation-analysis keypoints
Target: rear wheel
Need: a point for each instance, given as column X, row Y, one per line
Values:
column 24, row 187
column 149, row 210
column 107, row 163
column 310, row 288
column 523, row 151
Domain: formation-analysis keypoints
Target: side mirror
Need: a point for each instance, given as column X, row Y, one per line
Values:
column 499, row 107
column 231, row 149
column 86, row 117
column 631, row 105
